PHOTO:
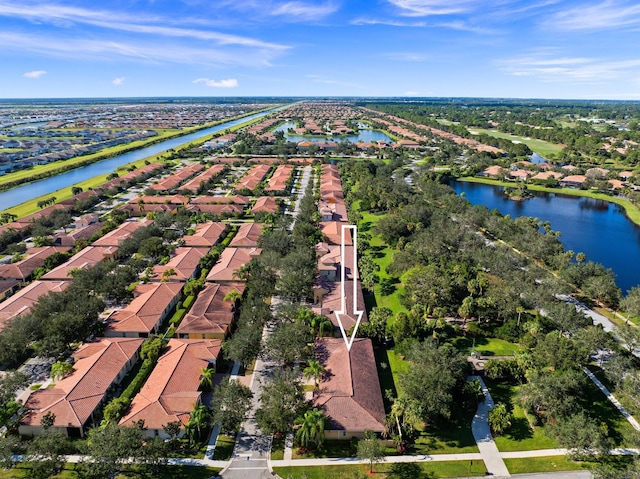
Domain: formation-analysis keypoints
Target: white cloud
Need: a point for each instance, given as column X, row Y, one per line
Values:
column 303, row 11
column 228, row 83
column 392, row 23
column 34, row 74
column 602, row 16
column 423, row 8
column 64, row 16
column 411, row 93
column 118, row 81
column 407, row 57
column 571, row 69
column 148, row 52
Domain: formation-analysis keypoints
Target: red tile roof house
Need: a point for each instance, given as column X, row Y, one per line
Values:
column 573, row 181
column 172, row 390
column 247, row 236
column 230, row 261
column 266, row 204
column 121, row 233
column 205, row 236
column 494, row 171
column 328, row 300
column 22, row 302
column 7, row 288
column 88, row 257
column 332, row 230
column 77, row 399
column 329, row 261
column 350, row 392
column 221, row 200
column 23, row 270
column 185, row 265
column 211, row 316
column 149, row 308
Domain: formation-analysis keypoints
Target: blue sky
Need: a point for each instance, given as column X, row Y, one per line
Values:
column 479, row 48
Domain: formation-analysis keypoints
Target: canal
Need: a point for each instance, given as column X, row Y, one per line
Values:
column 597, row 228
column 22, row 193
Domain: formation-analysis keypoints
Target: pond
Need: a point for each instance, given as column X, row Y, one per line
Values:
column 365, row 133
column 597, row 228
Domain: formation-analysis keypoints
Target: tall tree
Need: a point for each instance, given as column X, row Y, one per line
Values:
column 230, row 405
column 282, row 401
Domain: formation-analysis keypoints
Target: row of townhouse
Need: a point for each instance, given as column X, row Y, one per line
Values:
column 173, row 389
column 349, row 393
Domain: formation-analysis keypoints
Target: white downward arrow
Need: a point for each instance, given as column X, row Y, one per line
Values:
column 343, row 280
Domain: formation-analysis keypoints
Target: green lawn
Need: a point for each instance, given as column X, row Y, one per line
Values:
column 277, row 448
column 330, row 448
column 543, row 148
column 386, row 292
column 521, row 436
column 486, row 346
column 544, row 464
column 409, row 470
column 166, row 472
column 224, row 448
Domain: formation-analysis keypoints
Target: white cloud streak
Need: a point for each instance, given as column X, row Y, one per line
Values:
column 304, row 11
column 152, row 52
column 34, row 74
column 118, row 81
column 228, row 83
column 571, row 69
column 423, row 8
column 65, row 17
column 606, row 15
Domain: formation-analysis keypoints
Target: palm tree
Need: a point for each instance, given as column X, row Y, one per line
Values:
column 234, row 297
column 61, row 369
column 167, row 273
column 206, row 378
column 397, row 412
column 199, row 419
column 311, row 427
column 314, row 370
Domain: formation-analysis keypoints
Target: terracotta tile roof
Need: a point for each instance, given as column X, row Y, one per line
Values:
column 121, row 233
column 146, row 311
column 332, row 301
column 35, row 257
column 265, row 204
column 231, row 260
column 278, row 181
column 161, row 199
column 88, row 257
column 330, row 257
column 247, row 235
column 210, row 313
column 332, row 230
column 350, row 391
column 216, row 209
column 205, row 236
column 253, row 177
column 171, row 392
column 223, row 200
column 195, row 183
column 21, row 302
column 74, row 399
column 185, row 263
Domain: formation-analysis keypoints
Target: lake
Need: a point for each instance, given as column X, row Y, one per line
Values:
column 597, row 228
column 364, row 134
column 22, row 193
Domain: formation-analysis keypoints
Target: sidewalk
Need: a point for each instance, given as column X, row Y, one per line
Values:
column 482, row 434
